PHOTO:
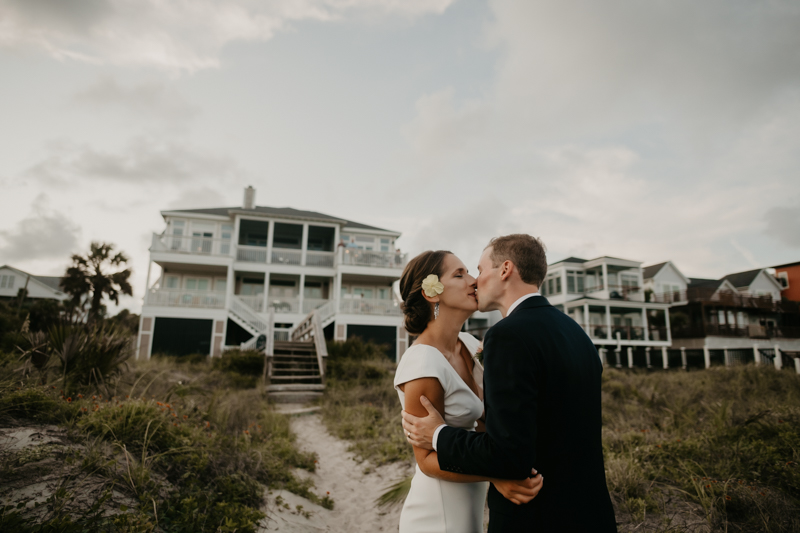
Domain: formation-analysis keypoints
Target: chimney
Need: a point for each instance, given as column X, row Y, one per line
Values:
column 249, row 197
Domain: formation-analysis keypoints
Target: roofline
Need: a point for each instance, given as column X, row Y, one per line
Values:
column 32, row 277
column 674, row 267
column 184, row 214
column 796, row 263
column 599, row 260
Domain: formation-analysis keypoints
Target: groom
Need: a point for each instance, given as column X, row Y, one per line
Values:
column 542, row 401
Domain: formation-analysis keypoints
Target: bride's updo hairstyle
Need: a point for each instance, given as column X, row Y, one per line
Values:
column 417, row 310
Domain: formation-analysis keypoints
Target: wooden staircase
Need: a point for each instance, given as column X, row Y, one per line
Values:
column 296, row 368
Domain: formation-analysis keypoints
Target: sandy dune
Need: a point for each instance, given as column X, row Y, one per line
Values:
column 338, row 472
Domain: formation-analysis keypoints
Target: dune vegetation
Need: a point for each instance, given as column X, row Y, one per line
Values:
column 706, row 451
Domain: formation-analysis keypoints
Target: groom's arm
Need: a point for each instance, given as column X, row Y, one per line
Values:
column 507, row 449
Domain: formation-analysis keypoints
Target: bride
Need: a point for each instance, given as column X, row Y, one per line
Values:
column 438, row 297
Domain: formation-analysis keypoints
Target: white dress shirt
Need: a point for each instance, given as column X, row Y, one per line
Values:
column 510, row 308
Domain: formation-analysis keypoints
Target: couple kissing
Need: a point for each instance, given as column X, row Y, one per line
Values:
column 532, row 410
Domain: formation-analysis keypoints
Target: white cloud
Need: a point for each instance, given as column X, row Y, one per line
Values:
column 176, row 35
column 43, row 235
column 156, row 99
column 142, row 160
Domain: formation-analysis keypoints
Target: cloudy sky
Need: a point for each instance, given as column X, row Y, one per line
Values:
column 646, row 130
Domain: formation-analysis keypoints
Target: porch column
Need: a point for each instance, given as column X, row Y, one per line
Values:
column 778, row 358
column 266, row 292
column 304, row 245
column 302, row 292
column 707, row 356
column 664, row 357
column 603, row 356
column 270, row 238
column 630, row 357
column 683, row 357
column 337, row 288
column 726, row 357
column 669, row 329
column 235, row 240
column 618, row 360
column 605, row 277
column 586, row 319
column 756, row 355
column 608, row 322
column 645, row 326
column 230, row 286
column 797, row 364
column 147, row 283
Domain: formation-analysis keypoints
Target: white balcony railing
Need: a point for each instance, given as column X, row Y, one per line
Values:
column 255, row 302
column 251, row 254
column 286, row 257
column 186, row 298
column 369, row 306
column 191, row 245
column 319, row 259
column 309, row 304
column 284, row 305
column 352, row 256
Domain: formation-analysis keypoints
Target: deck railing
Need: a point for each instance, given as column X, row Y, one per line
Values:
column 369, row 306
column 255, row 302
column 186, row 298
column 284, row 305
column 282, row 256
column 371, row 258
column 191, row 245
column 310, row 329
column 251, row 254
column 309, row 304
column 319, row 259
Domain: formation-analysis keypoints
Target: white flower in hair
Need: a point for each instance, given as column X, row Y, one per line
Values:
column 431, row 286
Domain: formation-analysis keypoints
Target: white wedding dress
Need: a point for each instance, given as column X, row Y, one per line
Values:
column 432, row 505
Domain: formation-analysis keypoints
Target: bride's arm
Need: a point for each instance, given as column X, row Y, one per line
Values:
column 516, row 491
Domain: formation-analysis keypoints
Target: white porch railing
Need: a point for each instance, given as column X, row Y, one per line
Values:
column 354, row 256
column 186, row 298
column 255, row 302
column 251, row 254
column 191, row 245
column 327, row 310
column 309, row 304
column 319, row 259
column 286, row 257
column 284, row 305
column 246, row 313
column 369, row 306
column 310, row 329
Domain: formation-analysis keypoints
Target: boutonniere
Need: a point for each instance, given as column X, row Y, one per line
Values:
column 479, row 354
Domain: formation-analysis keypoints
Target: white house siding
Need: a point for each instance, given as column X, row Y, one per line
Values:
column 765, row 284
column 667, row 279
column 12, row 280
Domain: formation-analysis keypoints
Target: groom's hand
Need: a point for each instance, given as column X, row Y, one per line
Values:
column 419, row 431
column 520, row 492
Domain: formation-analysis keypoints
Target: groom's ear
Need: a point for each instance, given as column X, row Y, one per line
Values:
column 506, row 269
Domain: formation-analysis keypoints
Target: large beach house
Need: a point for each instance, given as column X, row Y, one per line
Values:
column 233, row 276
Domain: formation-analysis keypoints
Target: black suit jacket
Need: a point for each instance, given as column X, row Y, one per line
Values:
column 542, row 398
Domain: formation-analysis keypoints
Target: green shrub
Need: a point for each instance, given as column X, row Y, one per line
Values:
column 245, row 362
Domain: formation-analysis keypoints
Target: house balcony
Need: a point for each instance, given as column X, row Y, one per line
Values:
column 752, row 331
column 617, row 292
column 371, row 258
column 369, row 306
column 625, row 333
column 181, row 244
column 185, row 298
column 721, row 298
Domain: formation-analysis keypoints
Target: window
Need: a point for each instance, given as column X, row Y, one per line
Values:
column 629, row 280
column 385, row 245
column 177, row 234
column 574, row 282
column 196, row 284
column 313, row 289
column 172, row 282
column 7, row 282
column 362, row 292
column 783, row 279
column 383, row 294
column 226, row 234
column 221, row 285
column 344, row 291
column 282, row 288
column 558, row 285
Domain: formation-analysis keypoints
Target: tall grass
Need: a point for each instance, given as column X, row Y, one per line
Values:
column 183, row 441
column 717, row 450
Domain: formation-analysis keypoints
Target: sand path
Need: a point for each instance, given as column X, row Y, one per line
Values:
column 353, row 485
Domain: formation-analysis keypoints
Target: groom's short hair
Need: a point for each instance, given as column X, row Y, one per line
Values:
column 527, row 253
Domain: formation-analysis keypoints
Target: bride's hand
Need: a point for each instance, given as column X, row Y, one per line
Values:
column 520, row 491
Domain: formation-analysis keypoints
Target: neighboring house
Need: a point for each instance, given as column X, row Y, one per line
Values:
column 788, row 277
column 606, row 297
column 741, row 310
column 666, row 280
column 226, row 272
column 38, row 287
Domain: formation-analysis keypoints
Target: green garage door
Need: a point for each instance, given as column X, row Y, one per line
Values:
column 182, row 336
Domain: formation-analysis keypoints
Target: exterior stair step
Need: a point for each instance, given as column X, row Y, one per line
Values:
column 309, row 376
column 296, row 387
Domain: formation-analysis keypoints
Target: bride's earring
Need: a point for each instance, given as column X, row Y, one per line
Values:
column 436, row 311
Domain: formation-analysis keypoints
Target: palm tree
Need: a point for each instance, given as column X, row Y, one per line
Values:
column 96, row 275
